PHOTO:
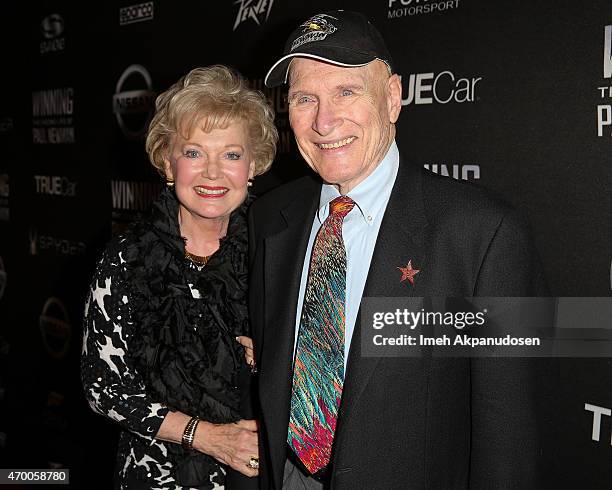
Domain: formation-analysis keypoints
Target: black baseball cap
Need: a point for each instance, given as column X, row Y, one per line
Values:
column 339, row 37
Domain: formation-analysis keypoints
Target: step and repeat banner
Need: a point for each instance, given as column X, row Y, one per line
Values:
column 515, row 96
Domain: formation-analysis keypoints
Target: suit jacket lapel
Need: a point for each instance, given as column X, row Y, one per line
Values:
column 283, row 260
column 400, row 239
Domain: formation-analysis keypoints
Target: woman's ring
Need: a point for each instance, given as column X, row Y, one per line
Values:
column 253, row 463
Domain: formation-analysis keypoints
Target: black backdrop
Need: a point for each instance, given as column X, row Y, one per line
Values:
column 515, row 95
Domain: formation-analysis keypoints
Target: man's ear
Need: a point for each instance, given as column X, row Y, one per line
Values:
column 394, row 97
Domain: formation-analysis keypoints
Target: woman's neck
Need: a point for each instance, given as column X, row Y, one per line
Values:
column 202, row 234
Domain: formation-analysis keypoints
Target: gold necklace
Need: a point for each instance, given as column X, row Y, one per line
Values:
column 197, row 259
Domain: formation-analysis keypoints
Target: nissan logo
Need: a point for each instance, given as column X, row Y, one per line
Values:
column 134, row 107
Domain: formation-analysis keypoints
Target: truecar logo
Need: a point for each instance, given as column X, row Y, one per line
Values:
column 445, row 87
column 55, row 185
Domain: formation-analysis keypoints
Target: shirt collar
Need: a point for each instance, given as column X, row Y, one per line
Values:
column 371, row 194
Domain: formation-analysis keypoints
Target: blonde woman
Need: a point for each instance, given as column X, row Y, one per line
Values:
column 168, row 299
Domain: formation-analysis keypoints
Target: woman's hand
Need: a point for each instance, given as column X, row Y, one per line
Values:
column 231, row 444
column 249, row 355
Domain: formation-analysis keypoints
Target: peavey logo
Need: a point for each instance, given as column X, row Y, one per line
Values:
column 51, row 29
column 463, row 172
column 258, row 10
column 136, row 13
column 48, row 244
column 604, row 111
column 445, row 87
column 134, row 101
column 316, row 28
column 2, row 279
column 55, row 328
column 54, row 185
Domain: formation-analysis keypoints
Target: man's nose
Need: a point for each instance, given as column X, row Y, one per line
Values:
column 326, row 119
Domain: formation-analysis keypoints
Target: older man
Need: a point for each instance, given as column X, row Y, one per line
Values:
column 331, row 417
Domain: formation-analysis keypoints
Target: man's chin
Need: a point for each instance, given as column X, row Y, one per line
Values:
column 336, row 170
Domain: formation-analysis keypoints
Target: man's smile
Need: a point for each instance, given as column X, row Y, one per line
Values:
column 336, row 144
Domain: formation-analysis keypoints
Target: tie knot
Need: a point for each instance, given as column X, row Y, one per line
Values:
column 341, row 206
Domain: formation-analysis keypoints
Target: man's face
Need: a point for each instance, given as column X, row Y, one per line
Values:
column 343, row 118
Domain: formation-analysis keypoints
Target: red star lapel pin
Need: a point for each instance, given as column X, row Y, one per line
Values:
column 408, row 273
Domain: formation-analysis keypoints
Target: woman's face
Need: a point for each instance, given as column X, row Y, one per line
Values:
column 211, row 170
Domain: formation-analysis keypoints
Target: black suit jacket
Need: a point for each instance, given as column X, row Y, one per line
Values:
column 406, row 423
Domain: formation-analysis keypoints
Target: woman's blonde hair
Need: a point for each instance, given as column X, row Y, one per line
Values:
column 214, row 97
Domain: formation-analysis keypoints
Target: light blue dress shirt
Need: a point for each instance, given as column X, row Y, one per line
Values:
column 359, row 233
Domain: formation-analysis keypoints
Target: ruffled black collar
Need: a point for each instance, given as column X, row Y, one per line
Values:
column 164, row 219
column 187, row 320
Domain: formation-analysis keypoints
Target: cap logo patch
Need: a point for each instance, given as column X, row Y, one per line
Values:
column 316, row 28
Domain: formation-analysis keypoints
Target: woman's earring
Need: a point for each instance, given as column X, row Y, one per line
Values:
column 249, row 183
column 170, row 183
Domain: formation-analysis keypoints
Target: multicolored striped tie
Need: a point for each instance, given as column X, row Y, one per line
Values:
column 318, row 373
